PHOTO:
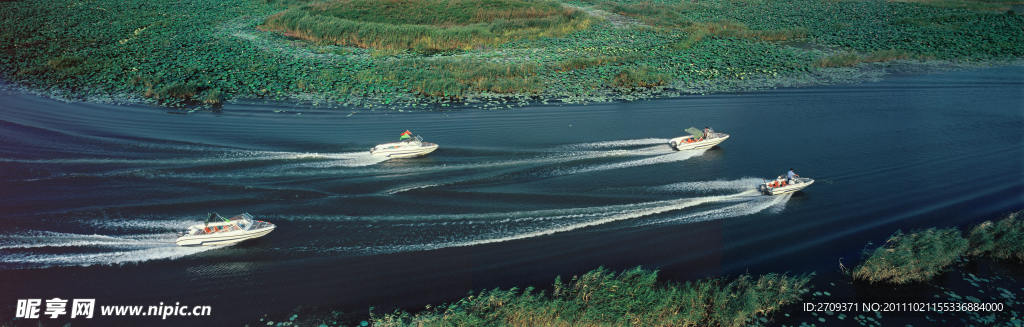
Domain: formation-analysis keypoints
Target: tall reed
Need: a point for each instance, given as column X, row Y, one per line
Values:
column 1003, row 239
column 603, row 298
column 725, row 28
column 913, row 257
column 921, row 255
column 426, row 26
column 454, row 78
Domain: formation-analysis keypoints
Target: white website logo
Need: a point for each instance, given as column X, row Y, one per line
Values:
column 54, row 308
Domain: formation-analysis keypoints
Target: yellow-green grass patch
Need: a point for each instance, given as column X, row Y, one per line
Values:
column 427, row 26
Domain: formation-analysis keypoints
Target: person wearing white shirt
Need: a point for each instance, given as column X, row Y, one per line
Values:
column 790, row 176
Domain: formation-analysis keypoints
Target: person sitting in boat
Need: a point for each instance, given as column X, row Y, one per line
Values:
column 790, row 175
column 708, row 133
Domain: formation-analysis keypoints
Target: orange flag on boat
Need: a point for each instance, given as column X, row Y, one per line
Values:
column 407, row 132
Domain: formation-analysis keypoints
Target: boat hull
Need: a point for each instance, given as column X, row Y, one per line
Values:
column 801, row 183
column 680, row 144
column 222, row 237
column 405, row 152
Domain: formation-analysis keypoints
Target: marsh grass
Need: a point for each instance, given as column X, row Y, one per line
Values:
column 886, row 55
column 96, row 47
column 438, row 13
column 213, row 97
column 454, row 78
column 913, row 257
column 847, row 59
column 697, row 31
column 844, row 59
column 586, row 62
column 643, row 76
column 148, row 83
column 651, row 13
column 603, row 298
column 966, row 4
column 1003, row 239
column 427, row 26
column 921, row 255
column 179, row 90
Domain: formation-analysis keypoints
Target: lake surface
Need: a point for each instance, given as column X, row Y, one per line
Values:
column 92, row 193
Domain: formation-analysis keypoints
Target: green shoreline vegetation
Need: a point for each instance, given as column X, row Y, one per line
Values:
column 922, row 255
column 602, row 298
column 482, row 53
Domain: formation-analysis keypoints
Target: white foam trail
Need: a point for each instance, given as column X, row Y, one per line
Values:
column 622, row 143
column 541, row 161
column 671, row 157
column 760, row 203
column 53, row 239
column 106, row 258
column 120, row 249
column 229, row 157
column 356, row 159
column 165, row 225
column 745, row 183
column 593, row 217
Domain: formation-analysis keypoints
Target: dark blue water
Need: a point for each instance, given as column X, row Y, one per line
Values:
column 92, row 193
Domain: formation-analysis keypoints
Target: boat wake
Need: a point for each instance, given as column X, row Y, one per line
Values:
column 490, row 175
column 616, row 144
column 757, row 204
column 664, row 158
column 404, row 233
column 39, row 249
column 348, row 159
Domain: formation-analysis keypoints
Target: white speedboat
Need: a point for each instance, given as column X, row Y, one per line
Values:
column 218, row 230
column 780, row 186
column 698, row 140
column 409, row 146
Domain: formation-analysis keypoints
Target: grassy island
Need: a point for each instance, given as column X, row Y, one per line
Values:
column 921, row 255
column 427, row 26
column 485, row 53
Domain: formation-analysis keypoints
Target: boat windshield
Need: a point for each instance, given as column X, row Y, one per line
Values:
column 244, row 221
column 697, row 134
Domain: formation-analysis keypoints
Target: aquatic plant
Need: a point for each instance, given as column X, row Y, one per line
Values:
column 846, row 59
column 913, row 257
column 843, row 59
column 886, row 55
column 603, row 298
column 921, row 255
column 445, row 77
column 104, row 48
column 651, row 13
column 213, row 97
column 581, row 63
column 1003, row 239
column 644, row 76
column 725, row 28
